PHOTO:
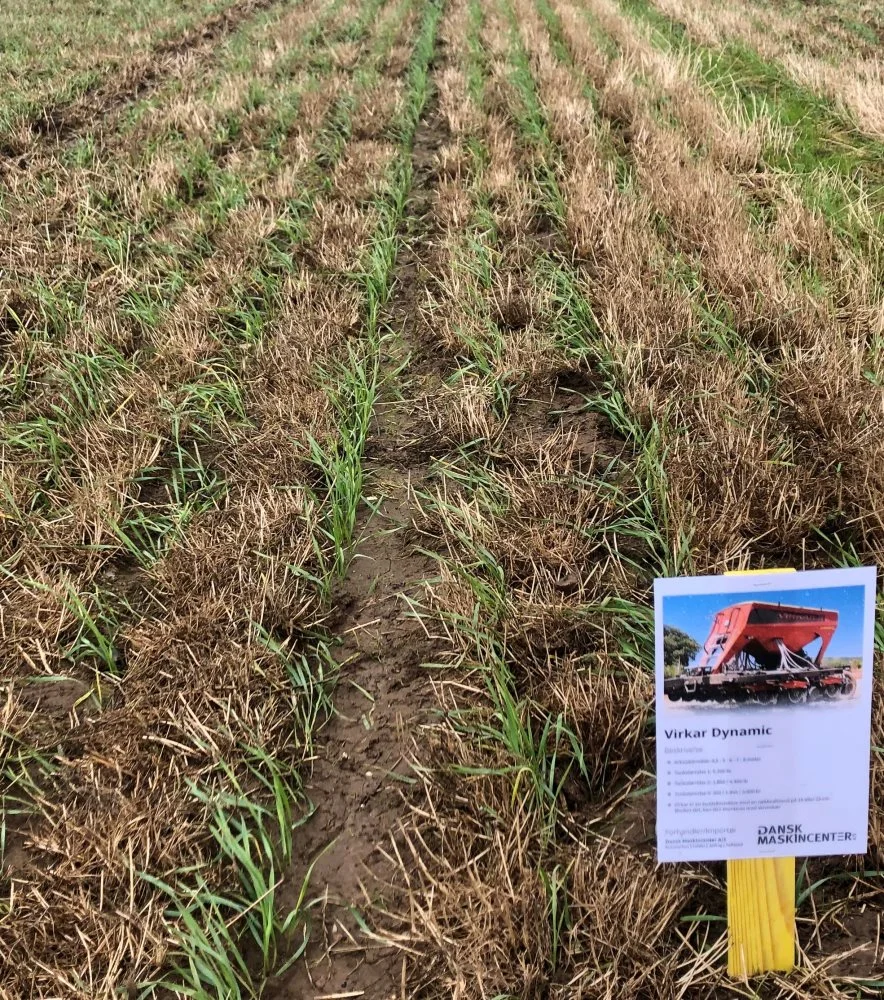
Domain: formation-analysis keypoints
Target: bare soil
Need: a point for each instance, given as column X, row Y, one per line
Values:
column 362, row 775
column 364, row 765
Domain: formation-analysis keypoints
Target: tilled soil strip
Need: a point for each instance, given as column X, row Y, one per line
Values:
column 361, row 777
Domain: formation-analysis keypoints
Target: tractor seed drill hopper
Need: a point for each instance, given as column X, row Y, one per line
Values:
column 758, row 652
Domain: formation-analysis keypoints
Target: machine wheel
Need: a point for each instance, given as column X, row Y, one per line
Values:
column 674, row 695
column 848, row 686
column 814, row 694
column 832, row 691
column 767, row 697
column 797, row 696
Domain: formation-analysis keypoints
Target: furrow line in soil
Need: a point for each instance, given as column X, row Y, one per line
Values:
column 364, row 771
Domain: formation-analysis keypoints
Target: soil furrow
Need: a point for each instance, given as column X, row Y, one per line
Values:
column 361, row 779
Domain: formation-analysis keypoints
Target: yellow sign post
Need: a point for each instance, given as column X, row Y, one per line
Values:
column 760, row 916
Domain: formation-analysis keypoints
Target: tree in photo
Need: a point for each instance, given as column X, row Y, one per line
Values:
column 678, row 647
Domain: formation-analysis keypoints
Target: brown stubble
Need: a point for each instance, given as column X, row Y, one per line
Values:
column 723, row 138
column 45, row 64
column 145, row 72
column 82, row 919
column 702, row 197
column 131, row 433
column 482, row 872
column 710, row 127
column 738, row 483
column 133, row 180
column 715, row 434
column 649, row 325
column 126, row 435
column 745, row 477
column 187, row 338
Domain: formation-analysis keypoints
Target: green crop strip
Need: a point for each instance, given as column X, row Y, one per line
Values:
column 541, row 750
column 644, row 500
column 476, row 64
column 636, row 488
column 531, row 120
column 622, row 165
column 252, row 821
column 353, row 384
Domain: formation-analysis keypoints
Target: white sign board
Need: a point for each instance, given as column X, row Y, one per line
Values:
column 763, row 703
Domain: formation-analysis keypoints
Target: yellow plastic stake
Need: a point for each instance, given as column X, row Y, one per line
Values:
column 760, row 906
column 760, row 916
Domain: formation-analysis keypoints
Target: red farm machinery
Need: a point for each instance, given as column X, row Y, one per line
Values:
column 760, row 652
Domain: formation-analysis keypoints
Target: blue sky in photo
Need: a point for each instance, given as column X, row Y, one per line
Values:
column 694, row 613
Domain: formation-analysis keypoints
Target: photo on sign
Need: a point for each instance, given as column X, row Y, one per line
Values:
column 763, row 698
column 789, row 647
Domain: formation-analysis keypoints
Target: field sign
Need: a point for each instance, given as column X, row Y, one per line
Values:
column 763, row 709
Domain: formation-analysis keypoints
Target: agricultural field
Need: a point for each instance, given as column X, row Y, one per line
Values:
column 362, row 362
